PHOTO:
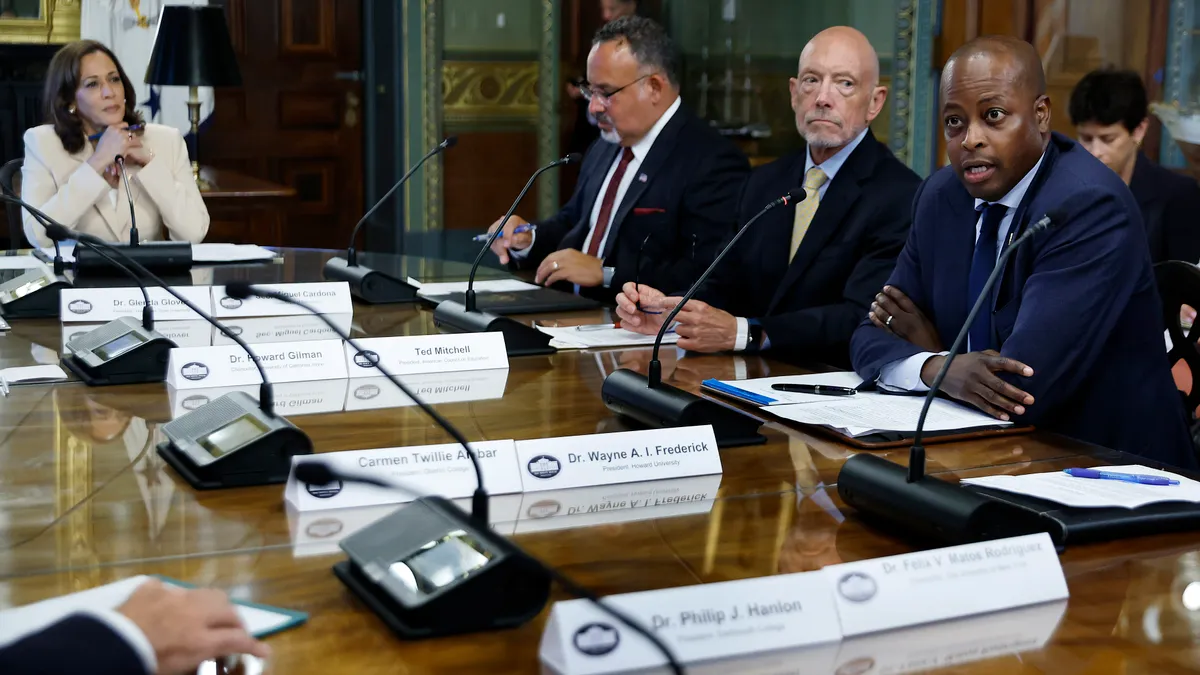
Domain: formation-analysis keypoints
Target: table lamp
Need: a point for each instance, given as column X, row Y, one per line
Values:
column 192, row 49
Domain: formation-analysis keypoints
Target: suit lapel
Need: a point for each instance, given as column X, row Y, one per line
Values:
column 649, row 168
column 843, row 191
column 958, row 233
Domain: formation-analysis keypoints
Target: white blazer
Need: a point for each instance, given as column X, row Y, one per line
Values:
column 70, row 191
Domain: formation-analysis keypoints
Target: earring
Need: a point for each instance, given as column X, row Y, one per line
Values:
column 71, row 109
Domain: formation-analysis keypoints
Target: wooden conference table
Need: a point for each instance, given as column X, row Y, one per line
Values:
column 85, row 501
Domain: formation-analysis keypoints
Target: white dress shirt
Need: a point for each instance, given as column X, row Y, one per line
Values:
column 830, row 166
column 905, row 374
column 640, row 150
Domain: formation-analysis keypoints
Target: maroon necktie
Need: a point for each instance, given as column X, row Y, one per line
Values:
column 606, row 206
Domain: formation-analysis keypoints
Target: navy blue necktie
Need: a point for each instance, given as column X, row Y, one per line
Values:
column 982, row 265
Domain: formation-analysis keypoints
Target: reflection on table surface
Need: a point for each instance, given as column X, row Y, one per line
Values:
column 85, row 500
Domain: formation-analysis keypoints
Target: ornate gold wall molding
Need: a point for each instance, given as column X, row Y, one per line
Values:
column 475, row 91
column 57, row 23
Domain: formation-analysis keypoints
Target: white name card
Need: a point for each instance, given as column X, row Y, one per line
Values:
column 372, row 393
column 698, row 623
column 946, row 583
column 411, row 355
column 327, row 297
column 99, row 305
column 624, row 457
column 319, row 532
column 299, row 328
column 291, row 398
column 204, row 367
column 611, row 504
column 442, row 470
column 182, row 333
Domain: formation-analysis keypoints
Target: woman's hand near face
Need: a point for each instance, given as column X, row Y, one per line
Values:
column 116, row 141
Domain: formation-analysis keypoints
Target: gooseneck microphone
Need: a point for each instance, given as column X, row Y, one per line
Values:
column 351, row 254
column 654, row 404
column 933, row 508
column 133, row 231
column 369, row 285
column 320, row 473
column 469, row 298
column 34, row 293
column 147, row 314
column 519, row 339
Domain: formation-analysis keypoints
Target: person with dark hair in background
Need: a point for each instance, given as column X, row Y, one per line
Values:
column 798, row 283
column 657, row 194
column 1071, row 338
column 71, row 170
column 1110, row 112
column 584, row 133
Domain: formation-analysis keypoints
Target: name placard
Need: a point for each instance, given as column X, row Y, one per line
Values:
column 327, row 297
column 371, row 393
column 319, row 532
column 204, row 367
column 99, row 305
column 182, row 333
column 299, row 328
column 442, row 470
column 624, row 457
column 610, row 504
column 698, row 623
column 291, row 398
column 416, row 354
column 946, row 583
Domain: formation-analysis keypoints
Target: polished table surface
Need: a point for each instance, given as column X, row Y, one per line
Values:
column 84, row 500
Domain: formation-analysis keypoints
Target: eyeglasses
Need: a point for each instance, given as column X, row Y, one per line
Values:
column 637, row 274
column 605, row 97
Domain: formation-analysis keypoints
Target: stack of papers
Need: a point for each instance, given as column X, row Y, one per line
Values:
column 17, row 623
column 32, row 375
column 868, row 413
column 481, row 286
column 758, row 391
column 600, row 336
column 1059, row 487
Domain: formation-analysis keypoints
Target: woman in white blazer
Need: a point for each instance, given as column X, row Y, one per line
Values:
column 70, row 168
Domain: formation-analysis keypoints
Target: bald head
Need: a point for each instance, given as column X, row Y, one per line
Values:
column 995, row 114
column 836, row 91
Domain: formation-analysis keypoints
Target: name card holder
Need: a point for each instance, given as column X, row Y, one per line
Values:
column 230, row 366
column 98, row 305
column 440, row 470
column 611, row 504
column 372, row 393
column 291, row 398
column 947, row 583
column 327, row 297
column 418, row 354
column 698, row 623
column 624, row 457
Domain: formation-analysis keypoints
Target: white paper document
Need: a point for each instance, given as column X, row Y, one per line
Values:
column 22, row 262
column 870, row 412
column 760, row 387
column 32, row 374
column 1059, row 487
column 597, row 336
column 484, row 286
column 18, row 622
column 218, row 252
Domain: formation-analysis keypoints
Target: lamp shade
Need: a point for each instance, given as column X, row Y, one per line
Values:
column 192, row 49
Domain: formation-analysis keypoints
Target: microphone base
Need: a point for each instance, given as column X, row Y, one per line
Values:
column 628, row 394
column 510, row 590
column 159, row 257
column 519, row 339
column 42, row 303
column 368, row 285
column 267, row 462
column 931, row 510
column 147, row 363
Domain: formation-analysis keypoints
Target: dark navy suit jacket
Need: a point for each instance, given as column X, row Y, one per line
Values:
column 1078, row 304
column 1170, row 204
column 77, row 644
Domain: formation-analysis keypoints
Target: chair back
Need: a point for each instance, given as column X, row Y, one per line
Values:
column 1179, row 285
column 10, row 183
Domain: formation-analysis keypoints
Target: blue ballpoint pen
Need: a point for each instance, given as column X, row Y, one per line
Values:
column 516, row 230
column 1141, row 479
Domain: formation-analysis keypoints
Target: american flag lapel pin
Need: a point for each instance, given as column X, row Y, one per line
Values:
column 642, row 178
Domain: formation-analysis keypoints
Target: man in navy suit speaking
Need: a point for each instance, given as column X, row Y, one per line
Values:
column 1070, row 339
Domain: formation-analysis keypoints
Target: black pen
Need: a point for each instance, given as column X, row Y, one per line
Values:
column 823, row 389
column 133, row 129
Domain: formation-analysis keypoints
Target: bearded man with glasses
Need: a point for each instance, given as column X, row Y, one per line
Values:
column 657, row 194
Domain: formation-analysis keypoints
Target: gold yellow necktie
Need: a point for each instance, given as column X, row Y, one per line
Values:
column 814, row 178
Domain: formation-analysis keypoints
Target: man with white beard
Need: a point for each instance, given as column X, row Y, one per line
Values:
column 800, row 281
column 657, row 194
